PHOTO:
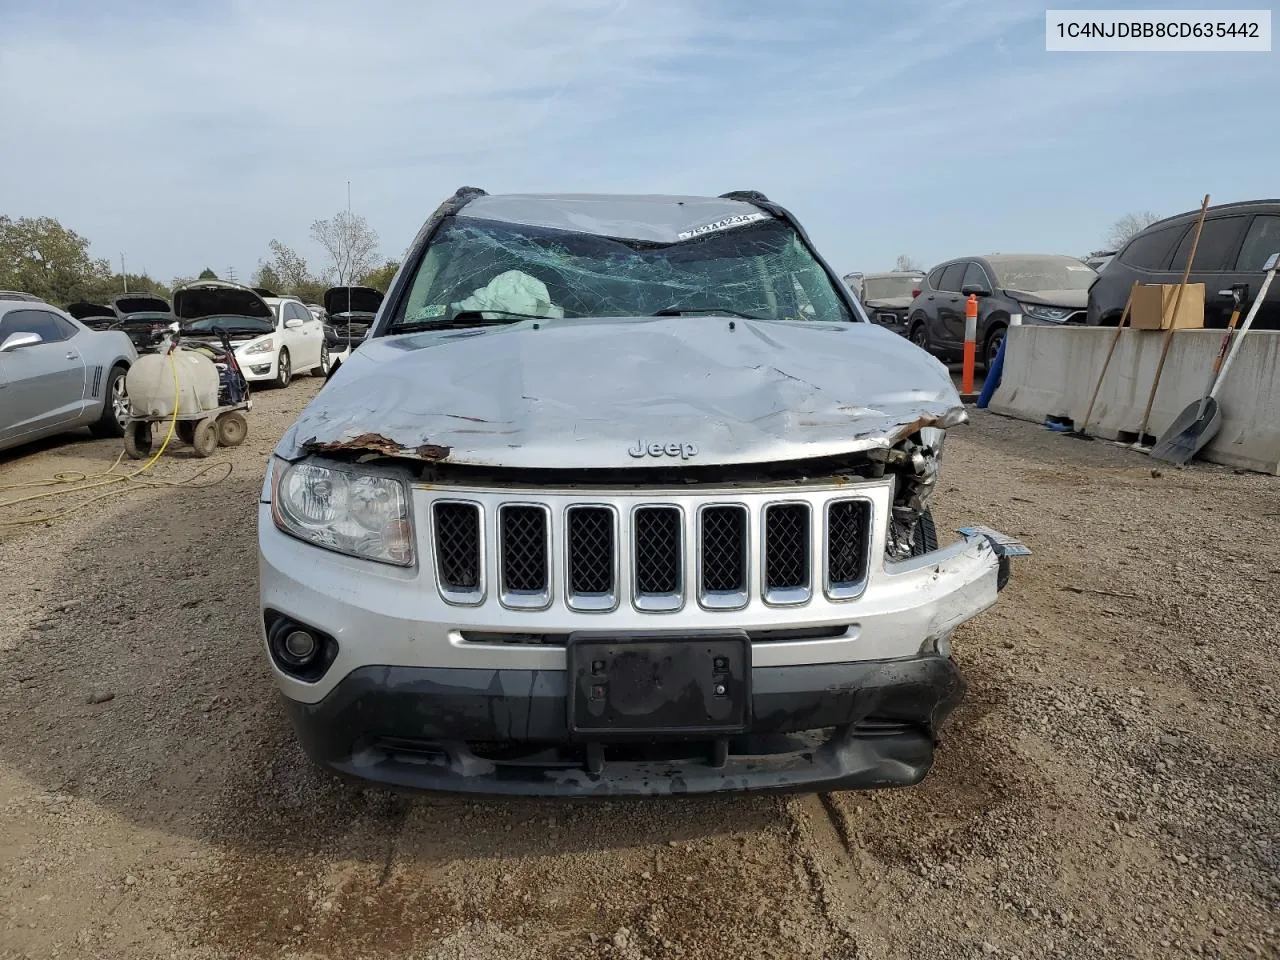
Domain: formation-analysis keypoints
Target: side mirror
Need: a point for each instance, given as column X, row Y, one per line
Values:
column 16, row 341
column 293, row 323
column 976, row 289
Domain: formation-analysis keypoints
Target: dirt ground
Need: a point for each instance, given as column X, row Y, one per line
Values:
column 1110, row 788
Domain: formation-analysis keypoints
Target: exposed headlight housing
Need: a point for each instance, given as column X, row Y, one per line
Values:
column 1038, row 311
column 345, row 509
column 262, row 346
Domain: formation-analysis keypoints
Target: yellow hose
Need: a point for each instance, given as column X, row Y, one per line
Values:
column 109, row 476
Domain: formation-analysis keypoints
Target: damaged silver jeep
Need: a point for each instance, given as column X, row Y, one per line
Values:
column 620, row 495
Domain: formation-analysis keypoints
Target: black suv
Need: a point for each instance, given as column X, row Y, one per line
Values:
column 1042, row 288
column 1236, row 240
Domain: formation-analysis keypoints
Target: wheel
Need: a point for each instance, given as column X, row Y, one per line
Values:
column 205, row 441
column 992, row 347
column 323, row 369
column 919, row 334
column 232, row 429
column 926, row 538
column 137, row 439
column 284, row 372
column 185, row 431
column 115, row 408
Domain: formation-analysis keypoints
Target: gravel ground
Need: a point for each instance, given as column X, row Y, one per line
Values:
column 1110, row 787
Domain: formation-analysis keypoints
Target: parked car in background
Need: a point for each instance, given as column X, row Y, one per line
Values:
column 351, row 310
column 887, row 297
column 95, row 316
column 57, row 374
column 597, row 509
column 318, row 312
column 145, row 317
column 272, row 336
column 1235, row 242
column 853, row 281
column 1042, row 288
column 19, row 295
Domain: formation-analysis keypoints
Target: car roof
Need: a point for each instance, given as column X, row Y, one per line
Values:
column 657, row 218
column 1238, row 206
column 9, row 302
column 1005, row 257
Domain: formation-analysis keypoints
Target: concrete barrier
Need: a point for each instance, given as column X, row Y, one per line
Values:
column 1051, row 372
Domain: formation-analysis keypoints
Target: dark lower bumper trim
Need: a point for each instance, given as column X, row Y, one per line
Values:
column 429, row 729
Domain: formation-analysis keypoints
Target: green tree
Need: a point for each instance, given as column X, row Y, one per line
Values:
column 40, row 256
column 380, row 277
column 207, row 274
column 266, row 277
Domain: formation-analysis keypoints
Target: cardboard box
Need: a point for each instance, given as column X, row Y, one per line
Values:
column 1153, row 307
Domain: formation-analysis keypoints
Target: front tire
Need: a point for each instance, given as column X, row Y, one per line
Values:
column 919, row 334
column 323, row 369
column 137, row 439
column 284, row 371
column 115, row 407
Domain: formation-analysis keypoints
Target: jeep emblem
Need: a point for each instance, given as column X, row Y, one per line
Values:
column 683, row 450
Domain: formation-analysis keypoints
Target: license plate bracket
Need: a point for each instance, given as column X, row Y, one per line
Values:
column 646, row 685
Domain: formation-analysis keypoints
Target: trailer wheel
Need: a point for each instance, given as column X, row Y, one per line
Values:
column 137, row 439
column 205, row 441
column 186, row 431
column 232, row 429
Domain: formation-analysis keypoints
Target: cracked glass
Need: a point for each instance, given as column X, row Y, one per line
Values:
column 761, row 269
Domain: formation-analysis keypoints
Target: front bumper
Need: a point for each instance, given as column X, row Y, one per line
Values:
column 257, row 367
column 419, row 693
column 851, row 726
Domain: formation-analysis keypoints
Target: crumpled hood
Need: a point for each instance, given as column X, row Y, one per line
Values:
column 1076, row 299
column 608, row 393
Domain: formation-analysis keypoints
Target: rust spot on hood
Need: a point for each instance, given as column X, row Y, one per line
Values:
column 377, row 443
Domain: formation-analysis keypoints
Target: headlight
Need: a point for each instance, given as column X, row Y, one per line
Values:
column 342, row 509
column 1040, row 312
column 264, row 346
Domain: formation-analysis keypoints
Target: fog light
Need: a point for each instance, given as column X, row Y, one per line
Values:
column 300, row 646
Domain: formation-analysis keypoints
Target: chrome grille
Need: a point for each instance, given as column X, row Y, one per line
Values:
column 848, row 523
column 723, row 555
column 786, row 553
column 457, row 546
column 655, row 556
column 591, row 557
column 658, row 549
column 523, row 555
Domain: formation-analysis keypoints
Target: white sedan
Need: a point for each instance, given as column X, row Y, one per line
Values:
column 272, row 336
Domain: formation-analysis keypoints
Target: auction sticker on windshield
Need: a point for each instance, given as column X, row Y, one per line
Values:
column 736, row 220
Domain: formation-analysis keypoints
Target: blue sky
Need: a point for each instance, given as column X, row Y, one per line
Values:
column 188, row 134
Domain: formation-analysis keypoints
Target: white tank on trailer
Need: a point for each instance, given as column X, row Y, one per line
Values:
column 151, row 388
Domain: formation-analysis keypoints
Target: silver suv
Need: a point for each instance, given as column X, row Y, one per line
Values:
column 596, row 508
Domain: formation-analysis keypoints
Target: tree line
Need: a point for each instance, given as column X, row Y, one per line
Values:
column 40, row 256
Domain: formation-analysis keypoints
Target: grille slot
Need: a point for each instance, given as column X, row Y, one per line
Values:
column 786, row 553
column 723, row 552
column 658, row 546
column 591, row 551
column 848, row 523
column 523, row 555
column 458, row 554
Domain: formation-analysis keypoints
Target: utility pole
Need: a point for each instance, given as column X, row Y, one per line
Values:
column 349, row 278
column 124, row 274
column 231, row 274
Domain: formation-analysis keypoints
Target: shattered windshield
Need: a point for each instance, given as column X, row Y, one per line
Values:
column 1033, row 274
column 759, row 270
column 886, row 288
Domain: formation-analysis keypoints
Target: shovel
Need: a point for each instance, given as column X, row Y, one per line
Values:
column 1195, row 426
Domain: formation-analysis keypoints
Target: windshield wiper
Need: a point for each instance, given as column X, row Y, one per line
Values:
column 465, row 318
column 681, row 311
